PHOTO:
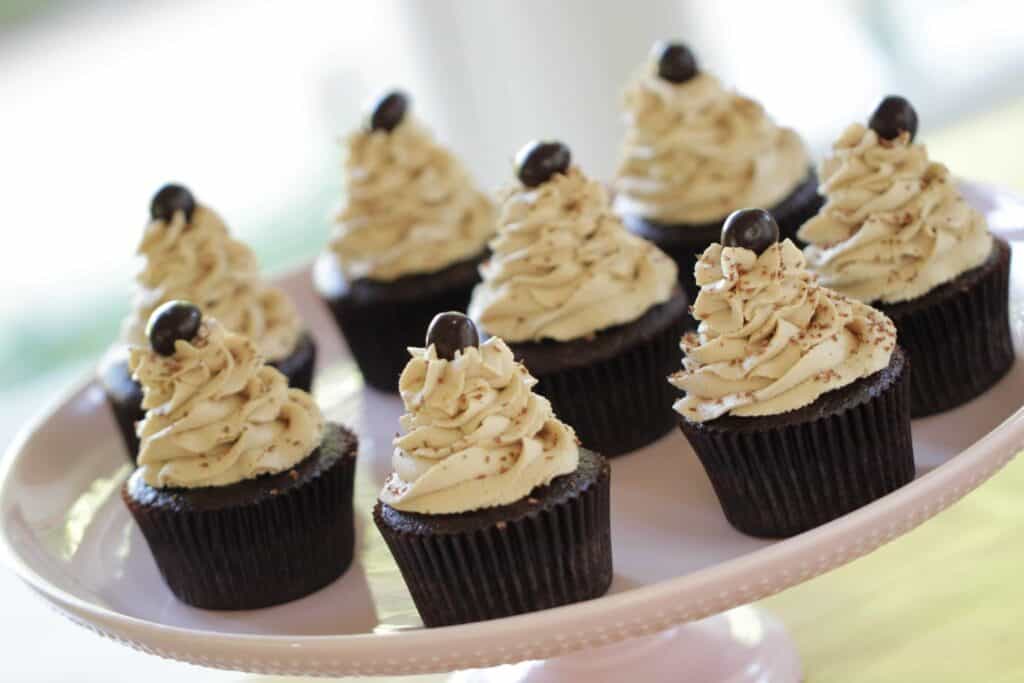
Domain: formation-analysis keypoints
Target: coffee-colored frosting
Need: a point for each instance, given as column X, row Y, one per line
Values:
column 476, row 436
column 894, row 225
column 564, row 267
column 695, row 152
column 198, row 261
column 410, row 207
column 771, row 339
column 216, row 415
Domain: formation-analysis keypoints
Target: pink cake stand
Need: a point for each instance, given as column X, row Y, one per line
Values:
column 675, row 610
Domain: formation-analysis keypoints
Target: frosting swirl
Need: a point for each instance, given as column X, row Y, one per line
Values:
column 216, row 415
column 410, row 207
column 564, row 267
column 694, row 152
column 893, row 225
column 476, row 436
column 198, row 261
column 771, row 339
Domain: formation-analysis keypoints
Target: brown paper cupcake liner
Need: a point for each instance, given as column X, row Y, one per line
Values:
column 957, row 335
column 259, row 542
column 780, row 475
column 686, row 242
column 551, row 549
column 380, row 321
column 124, row 394
column 616, row 401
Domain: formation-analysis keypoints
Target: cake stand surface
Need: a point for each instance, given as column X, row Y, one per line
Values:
column 65, row 532
column 741, row 645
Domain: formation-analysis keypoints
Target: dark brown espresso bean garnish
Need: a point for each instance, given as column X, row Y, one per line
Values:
column 450, row 332
column 753, row 229
column 170, row 322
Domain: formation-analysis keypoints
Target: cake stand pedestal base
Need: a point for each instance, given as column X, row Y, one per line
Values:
column 743, row 645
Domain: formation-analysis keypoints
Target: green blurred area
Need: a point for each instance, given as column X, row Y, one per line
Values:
column 18, row 11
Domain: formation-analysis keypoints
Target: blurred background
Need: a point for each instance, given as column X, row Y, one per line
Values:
column 101, row 102
column 245, row 102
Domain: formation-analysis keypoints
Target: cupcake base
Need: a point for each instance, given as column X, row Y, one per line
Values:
column 300, row 364
column 957, row 335
column 611, row 387
column 549, row 549
column 124, row 394
column 381, row 320
column 780, row 475
column 685, row 242
column 259, row 542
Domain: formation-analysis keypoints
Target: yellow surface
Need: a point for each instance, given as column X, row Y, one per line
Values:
column 943, row 603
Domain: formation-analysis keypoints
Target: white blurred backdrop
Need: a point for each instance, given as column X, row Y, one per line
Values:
column 102, row 102
column 244, row 101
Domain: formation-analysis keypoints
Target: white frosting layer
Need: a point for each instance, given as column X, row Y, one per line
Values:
column 695, row 152
column 894, row 225
column 771, row 339
column 476, row 436
column 216, row 415
column 198, row 261
column 410, row 207
column 564, row 267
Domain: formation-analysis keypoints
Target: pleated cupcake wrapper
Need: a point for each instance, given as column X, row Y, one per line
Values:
column 298, row 368
column 960, row 345
column 623, row 403
column 784, row 480
column 685, row 243
column 379, row 332
column 556, row 556
column 251, row 556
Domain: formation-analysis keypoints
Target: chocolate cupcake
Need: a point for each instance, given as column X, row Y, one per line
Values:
column 593, row 311
column 896, row 233
column 189, row 255
column 407, row 240
column 492, row 509
column 695, row 152
column 797, row 398
column 243, row 493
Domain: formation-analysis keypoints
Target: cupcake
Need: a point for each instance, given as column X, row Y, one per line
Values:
column 492, row 509
column 593, row 311
column 797, row 398
column 407, row 241
column 188, row 254
column 243, row 493
column 695, row 152
column 896, row 233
